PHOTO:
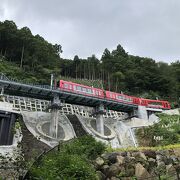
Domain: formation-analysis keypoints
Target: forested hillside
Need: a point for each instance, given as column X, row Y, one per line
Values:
column 32, row 58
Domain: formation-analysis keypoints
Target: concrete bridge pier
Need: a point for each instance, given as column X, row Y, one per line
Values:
column 56, row 104
column 99, row 111
column 142, row 112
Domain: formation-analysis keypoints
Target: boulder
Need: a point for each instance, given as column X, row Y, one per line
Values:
column 152, row 162
column 126, row 178
column 124, row 154
column 139, row 155
column 101, row 176
column 113, row 158
column 163, row 152
column 114, row 178
column 170, row 168
column 107, row 156
column 159, row 157
column 177, row 152
column 161, row 167
column 120, row 160
column 130, row 171
column 174, row 159
column 141, row 172
column 99, row 161
column 105, row 169
column 113, row 170
column 150, row 154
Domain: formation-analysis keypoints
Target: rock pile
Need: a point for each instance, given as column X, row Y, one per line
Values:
column 146, row 164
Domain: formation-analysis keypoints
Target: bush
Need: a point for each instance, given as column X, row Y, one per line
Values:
column 64, row 166
column 167, row 128
column 86, row 146
column 71, row 162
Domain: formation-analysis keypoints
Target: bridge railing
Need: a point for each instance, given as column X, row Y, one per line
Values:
column 5, row 78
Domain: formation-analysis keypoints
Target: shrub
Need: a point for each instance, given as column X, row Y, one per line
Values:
column 71, row 162
column 86, row 146
column 64, row 166
column 168, row 128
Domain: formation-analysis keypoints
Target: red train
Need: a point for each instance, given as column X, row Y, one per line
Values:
column 96, row 92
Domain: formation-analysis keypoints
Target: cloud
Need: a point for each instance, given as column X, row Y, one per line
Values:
column 144, row 28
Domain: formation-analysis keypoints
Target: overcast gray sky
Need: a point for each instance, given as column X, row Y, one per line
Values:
column 149, row 28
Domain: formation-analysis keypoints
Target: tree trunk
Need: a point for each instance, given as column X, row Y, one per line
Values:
column 22, row 56
column 109, row 83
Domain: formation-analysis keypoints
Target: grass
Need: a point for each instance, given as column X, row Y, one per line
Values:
column 170, row 146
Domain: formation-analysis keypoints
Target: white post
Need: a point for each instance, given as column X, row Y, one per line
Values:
column 52, row 77
column 100, row 124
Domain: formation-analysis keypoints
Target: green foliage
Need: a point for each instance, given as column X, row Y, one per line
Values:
column 86, row 146
column 64, row 166
column 71, row 162
column 166, row 131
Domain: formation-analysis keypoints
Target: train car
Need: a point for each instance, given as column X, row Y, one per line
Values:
column 119, row 97
column 81, row 89
column 95, row 92
column 155, row 103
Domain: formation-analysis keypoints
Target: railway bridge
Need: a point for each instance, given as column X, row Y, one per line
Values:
column 57, row 97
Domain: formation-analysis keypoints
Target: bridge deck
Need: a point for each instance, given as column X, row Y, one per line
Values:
column 45, row 92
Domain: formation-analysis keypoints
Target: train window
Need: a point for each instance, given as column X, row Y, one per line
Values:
column 97, row 93
column 129, row 99
column 119, row 97
column 74, row 88
column 65, row 85
column 126, row 98
column 84, row 89
column 78, row 88
column 89, row 91
column 70, row 86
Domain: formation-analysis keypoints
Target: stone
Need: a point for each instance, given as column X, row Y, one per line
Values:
column 161, row 163
column 128, row 154
column 127, row 159
column 161, row 167
column 99, row 161
column 159, row 157
column 152, row 162
column 150, row 154
column 163, row 152
column 105, row 169
column 113, row 170
column 111, row 157
column 132, row 160
column 123, row 154
column 139, row 155
column 106, row 156
column 120, row 160
column 126, row 178
column 141, row 172
column 177, row 152
column 170, row 168
column 100, row 175
column 171, row 171
column 114, row 178
column 130, row 171
column 174, row 159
